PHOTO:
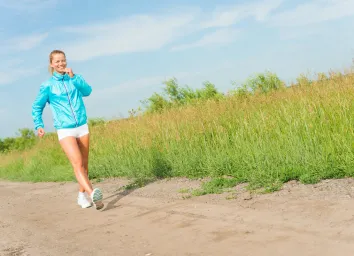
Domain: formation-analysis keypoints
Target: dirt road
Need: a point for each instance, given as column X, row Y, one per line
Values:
column 43, row 219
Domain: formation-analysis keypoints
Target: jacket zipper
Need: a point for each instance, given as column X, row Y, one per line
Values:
column 70, row 102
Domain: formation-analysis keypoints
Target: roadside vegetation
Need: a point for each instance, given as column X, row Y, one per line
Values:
column 262, row 132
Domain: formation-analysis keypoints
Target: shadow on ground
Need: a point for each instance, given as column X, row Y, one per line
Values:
column 161, row 168
column 124, row 191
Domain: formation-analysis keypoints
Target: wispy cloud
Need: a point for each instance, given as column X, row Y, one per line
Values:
column 218, row 37
column 10, row 76
column 129, row 86
column 22, row 43
column 15, row 69
column 27, row 42
column 140, row 83
column 314, row 11
column 140, row 33
column 302, row 32
column 135, row 85
column 27, row 5
column 230, row 15
column 132, row 34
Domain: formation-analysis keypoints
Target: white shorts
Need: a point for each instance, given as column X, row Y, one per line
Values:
column 73, row 132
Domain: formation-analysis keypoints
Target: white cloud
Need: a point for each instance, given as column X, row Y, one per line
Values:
column 9, row 63
column 128, row 89
column 302, row 32
column 27, row 42
column 230, row 15
column 132, row 34
column 218, row 37
column 15, row 69
column 13, row 74
column 27, row 5
column 141, row 33
column 6, row 78
column 22, row 43
column 314, row 11
column 137, row 84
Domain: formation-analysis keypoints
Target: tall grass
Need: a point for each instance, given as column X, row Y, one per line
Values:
column 304, row 132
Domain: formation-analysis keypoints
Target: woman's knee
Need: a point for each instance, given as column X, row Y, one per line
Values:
column 78, row 164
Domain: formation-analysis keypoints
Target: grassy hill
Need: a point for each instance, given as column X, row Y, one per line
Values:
column 264, row 133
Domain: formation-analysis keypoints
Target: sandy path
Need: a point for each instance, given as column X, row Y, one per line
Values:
column 43, row 219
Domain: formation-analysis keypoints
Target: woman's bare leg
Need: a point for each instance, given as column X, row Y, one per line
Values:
column 71, row 148
column 84, row 145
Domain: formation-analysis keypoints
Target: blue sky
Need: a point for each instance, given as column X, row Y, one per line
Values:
column 125, row 49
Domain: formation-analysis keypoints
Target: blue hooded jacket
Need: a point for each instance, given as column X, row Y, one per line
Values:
column 65, row 97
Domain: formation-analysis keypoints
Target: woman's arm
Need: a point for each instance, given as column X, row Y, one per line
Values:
column 38, row 106
column 80, row 84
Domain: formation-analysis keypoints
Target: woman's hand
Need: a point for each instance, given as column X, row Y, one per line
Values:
column 40, row 132
column 69, row 71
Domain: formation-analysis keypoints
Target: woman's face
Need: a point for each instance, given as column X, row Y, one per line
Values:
column 58, row 63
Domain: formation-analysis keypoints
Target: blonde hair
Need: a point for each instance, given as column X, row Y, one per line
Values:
column 51, row 70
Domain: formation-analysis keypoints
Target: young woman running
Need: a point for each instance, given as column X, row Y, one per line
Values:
column 64, row 91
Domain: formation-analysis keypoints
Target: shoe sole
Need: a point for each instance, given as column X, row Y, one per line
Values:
column 85, row 206
column 97, row 198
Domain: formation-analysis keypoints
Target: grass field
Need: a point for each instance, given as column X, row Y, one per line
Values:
column 304, row 132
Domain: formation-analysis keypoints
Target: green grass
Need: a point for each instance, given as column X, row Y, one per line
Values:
column 303, row 133
column 184, row 190
column 215, row 186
